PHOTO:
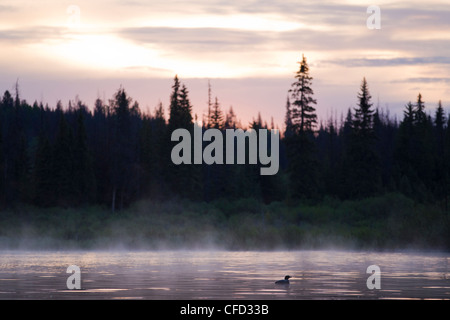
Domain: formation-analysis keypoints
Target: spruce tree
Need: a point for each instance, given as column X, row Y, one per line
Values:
column 7, row 101
column 230, row 119
column 439, row 123
column 440, row 175
column 414, row 152
column 185, row 108
column 404, row 153
column 216, row 116
column 301, row 149
column 184, row 179
column 304, row 117
column 100, row 143
column 361, row 162
column 363, row 116
column 424, row 146
column 288, row 119
column 180, row 110
column 153, row 141
column 123, row 150
column 15, row 158
column 419, row 111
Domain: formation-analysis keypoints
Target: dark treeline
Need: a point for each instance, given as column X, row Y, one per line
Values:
column 114, row 154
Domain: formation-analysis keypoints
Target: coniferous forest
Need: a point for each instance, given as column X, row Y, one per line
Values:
column 88, row 171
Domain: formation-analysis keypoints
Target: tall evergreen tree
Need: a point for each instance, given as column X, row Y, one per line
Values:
column 414, row 151
column 16, row 156
column 439, row 172
column 409, row 114
column 419, row 111
column 7, row 101
column 363, row 117
column 288, row 119
column 180, row 110
column 424, row 146
column 123, row 150
column 404, row 154
column 304, row 117
column 185, row 108
column 153, row 141
column 362, row 166
column 385, row 130
column 100, row 144
column 184, row 179
column 302, row 160
column 440, row 122
column 328, row 153
column 230, row 119
column 217, row 120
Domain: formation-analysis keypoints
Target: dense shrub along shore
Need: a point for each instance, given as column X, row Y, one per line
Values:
column 388, row 222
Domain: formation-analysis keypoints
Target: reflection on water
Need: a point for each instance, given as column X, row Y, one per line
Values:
column 223, row 275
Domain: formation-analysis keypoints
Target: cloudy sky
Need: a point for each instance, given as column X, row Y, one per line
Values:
column 247, row 49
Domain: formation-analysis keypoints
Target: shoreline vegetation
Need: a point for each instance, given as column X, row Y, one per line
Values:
column 388, row 222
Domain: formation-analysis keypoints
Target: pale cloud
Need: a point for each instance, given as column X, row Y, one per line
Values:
column 392, row 62
column 423, row 80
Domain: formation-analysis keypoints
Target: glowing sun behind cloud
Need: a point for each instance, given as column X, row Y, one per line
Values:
column 106, row 52
column 99, row 51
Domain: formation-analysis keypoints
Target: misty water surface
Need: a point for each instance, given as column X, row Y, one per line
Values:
column 223, row 275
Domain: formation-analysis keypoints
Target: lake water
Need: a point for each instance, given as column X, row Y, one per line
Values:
column 170, row 275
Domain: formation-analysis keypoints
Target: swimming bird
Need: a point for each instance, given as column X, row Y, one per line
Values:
column 285, row 281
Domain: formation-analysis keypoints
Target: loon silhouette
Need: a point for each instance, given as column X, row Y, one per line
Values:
column 285, row 281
